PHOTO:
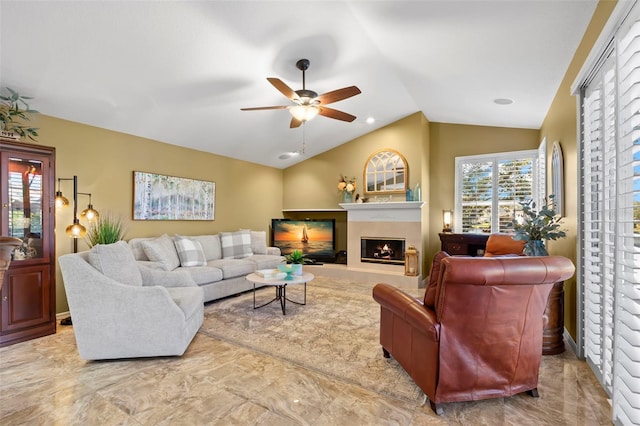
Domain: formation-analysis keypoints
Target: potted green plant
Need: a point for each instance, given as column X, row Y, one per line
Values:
column 14, row 112
column 297, row 258
column 107, row 229
column 537, row 226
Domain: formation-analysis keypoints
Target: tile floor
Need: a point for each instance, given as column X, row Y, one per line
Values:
column 44, row 382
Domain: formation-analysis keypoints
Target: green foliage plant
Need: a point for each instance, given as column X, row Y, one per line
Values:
column 542, row 224
column 14, row 113
column 296, row 256
column 107, row 229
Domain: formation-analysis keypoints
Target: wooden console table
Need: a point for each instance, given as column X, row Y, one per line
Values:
column 463, row 244
column 474, row 245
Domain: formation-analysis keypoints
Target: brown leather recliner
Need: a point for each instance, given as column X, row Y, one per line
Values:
column 483, row 336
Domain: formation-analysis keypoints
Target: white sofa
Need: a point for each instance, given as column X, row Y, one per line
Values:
column 217, row 263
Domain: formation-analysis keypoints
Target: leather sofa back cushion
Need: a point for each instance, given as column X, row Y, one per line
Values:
column 116, row 261
column 434, row 276
column 503, row 244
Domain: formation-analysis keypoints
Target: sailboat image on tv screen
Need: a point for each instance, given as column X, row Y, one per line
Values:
column 305, row 237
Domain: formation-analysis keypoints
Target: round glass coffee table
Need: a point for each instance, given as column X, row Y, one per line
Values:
column 280, row 285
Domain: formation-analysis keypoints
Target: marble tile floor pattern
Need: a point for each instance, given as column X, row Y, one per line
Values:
column 44, row 382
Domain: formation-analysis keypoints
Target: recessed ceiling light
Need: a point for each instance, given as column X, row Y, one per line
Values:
column 503, row 101
column 288, row 155
column 370, row 120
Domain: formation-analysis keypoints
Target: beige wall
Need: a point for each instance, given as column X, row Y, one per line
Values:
column 247, row 195
column 449, row 141
column 560, row 125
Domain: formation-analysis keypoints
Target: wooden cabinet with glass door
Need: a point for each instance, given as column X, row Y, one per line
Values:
column 27, row 297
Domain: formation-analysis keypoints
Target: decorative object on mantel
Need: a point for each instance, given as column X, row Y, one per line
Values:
column 417, row 193
column 386, row 172
column 7, row 245
column 14, row 112
column 347, row 186
column 537, row 225
column 447, row 219
column 411, row 268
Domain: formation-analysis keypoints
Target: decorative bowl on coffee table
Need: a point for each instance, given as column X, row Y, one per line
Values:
column 288, row 269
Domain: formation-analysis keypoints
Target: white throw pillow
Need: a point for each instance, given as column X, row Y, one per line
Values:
column 163, row 251
column 116, row 261
column 259, row 242
column 189, row 252
column 236, row 245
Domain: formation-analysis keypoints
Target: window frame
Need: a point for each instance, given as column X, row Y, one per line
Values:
column 495, row 158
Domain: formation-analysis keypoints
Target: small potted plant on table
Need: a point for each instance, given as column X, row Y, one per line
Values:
column 297, row 258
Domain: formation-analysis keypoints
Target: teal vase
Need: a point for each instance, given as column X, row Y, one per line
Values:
column 535, row 248
column 347, row 197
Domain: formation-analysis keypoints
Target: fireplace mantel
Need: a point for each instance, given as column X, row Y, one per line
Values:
column 401, row 211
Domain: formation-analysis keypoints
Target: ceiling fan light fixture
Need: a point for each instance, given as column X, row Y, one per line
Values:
column 304, row 112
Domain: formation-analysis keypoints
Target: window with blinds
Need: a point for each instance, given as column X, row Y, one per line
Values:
column 610, row 218
column 489, row 189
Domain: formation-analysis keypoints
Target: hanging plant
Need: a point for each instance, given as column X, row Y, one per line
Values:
column 14, row 113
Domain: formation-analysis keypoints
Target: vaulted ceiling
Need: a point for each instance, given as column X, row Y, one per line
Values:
column 179, row 72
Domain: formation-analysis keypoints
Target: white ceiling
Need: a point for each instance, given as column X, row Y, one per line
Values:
column 179, row 72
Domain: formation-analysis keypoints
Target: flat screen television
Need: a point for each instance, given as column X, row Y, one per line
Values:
column 315, row 237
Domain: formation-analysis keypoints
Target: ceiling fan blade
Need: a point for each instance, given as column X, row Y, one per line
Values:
column 283, row 88
column 294, row 123
column 338, row 95
column 267, row 107
column 338, row 115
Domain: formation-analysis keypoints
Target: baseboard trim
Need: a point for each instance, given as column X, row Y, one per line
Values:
column 572, row 343
column 62, row 315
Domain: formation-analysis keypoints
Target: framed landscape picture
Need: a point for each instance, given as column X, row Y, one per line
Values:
column 161, row 197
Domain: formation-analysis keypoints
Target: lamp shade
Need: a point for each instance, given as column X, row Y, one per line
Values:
column 447, row 218
column 76, row 230
column 89, row 214
column 61, row 200
column 304, row 112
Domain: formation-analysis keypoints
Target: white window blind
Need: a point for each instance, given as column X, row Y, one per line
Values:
column 490, row 187
column 610, row 219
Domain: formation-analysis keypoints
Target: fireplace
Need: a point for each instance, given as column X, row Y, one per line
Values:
column 382, row 250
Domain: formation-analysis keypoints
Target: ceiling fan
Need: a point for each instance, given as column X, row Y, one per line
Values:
column 307, row 103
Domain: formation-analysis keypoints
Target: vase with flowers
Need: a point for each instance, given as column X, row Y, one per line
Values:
column 347, row 187
column 537, row 226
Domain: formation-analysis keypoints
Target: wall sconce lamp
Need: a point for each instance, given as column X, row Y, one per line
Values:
column 411, row 261
column 447, row 219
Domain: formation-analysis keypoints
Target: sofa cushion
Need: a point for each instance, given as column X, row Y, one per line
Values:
column 163, row 251
column 204, row 274
column 259, row 242
column 210, row 245
column 232, row 268
column 265, row 261
column 116, row 261
column 236, row 245
column 189, row 252
column 434, row 276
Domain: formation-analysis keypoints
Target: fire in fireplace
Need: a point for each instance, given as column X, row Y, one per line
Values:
column 382, row 250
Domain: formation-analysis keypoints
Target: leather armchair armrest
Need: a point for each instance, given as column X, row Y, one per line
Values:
column 408, row 308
